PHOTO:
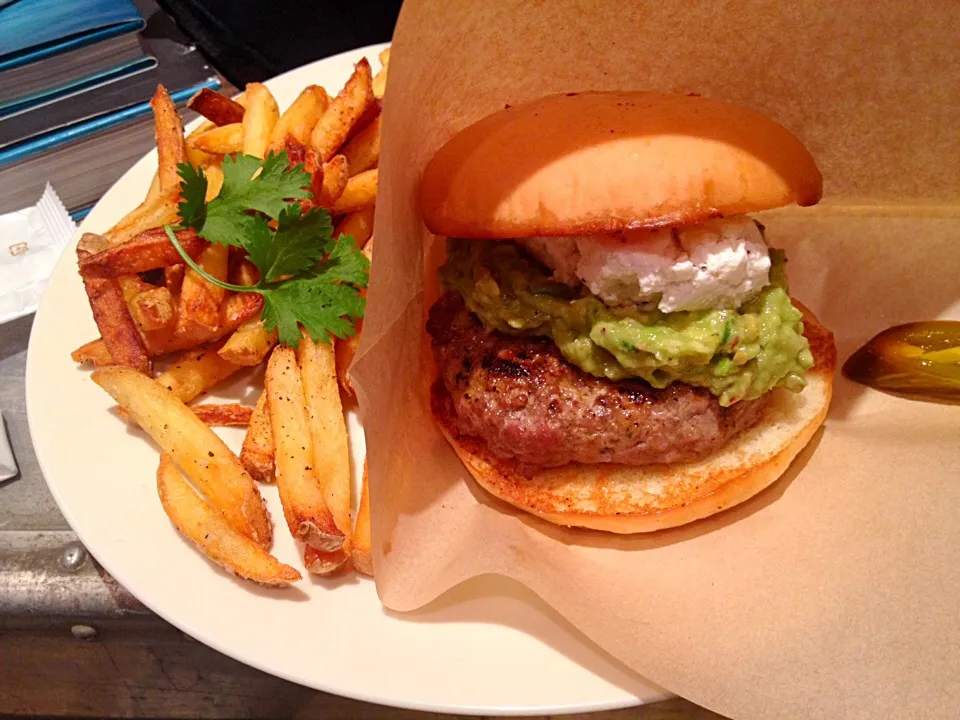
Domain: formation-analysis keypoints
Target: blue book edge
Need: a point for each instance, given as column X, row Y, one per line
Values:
column 80, row 84
column 71, row 42
column 51, row 141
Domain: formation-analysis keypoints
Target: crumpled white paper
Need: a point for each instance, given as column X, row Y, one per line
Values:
column 8, row 465
column 31, row 241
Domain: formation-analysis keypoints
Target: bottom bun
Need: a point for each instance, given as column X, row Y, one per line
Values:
column 623, row 499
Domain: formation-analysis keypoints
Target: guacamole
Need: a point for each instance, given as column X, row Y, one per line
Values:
column 736, row 354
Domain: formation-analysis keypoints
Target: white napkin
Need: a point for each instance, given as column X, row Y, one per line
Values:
column 31, row 241
column 8, row 466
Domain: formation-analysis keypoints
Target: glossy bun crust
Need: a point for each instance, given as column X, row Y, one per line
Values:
column 601, row 162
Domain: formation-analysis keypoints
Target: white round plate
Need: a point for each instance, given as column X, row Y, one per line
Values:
column 487, row 647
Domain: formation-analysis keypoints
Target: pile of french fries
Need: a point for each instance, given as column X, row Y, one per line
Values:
column 149, row 306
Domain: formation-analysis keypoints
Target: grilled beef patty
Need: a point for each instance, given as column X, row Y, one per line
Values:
column 528, row 403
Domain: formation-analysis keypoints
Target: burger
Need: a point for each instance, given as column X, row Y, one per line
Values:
column 612, row 338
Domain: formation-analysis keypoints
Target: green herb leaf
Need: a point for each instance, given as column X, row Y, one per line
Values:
column 323, row 277
column 193, row 193
column 322, row 307
column 300, row 241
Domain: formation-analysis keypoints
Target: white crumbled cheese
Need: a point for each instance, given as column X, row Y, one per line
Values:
column 717, row 264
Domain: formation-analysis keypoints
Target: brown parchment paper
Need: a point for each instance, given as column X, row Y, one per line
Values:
column 835, row 593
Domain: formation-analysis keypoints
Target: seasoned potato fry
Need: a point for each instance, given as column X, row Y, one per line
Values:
column 345, row 350
column 168, row 130
column 301, row 490
column 150, row 214
column 173, row 277
column 202, row 455
column 195, row 373
column 360, row 192
column 154, row 192
column 249, row 344
column 223, row 140
column 360, row 551
column 235, row 311
column 110, row 312
column 153, row 309
column 335, row 176
column 147, row 251
column 379, row 83
column 206, row 528
column 200, row 300
column 324, row 563
column 201, row 158
column 259, row 119
column 384, row 57
column 214, row 175
column 346, row 109
column 245, row 273
column 94, row 352
column 200, row 130
column 225, row 415
column 363, row 150
column 328, row 430
column 298, row 120
column 257, row 451
column 358, row 225
column 217, row 108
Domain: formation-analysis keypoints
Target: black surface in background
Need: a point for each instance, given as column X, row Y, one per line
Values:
column 252, row 40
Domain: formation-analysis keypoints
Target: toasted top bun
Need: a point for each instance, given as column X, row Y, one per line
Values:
column 603, row 162
column 623, row 499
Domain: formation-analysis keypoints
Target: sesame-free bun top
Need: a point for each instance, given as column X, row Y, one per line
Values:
column 603, row 162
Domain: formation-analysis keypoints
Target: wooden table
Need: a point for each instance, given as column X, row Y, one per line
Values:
column 75, row 643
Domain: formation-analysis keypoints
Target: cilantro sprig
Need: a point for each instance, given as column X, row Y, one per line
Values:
column 308, row 278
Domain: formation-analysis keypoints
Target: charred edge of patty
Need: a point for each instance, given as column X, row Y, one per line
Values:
column 530, row 405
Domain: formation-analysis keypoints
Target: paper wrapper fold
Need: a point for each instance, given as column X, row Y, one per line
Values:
column 835, row 593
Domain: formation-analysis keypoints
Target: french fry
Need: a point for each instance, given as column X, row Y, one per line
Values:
column 360, row 192
column 245, row 273
column 225, row 415
column 301, row 490
column 168, row 130
column 154, row 192
column 363, row 150
column 199, row 307
column 199, row 130
column 147, row 251
column 379, row 83
column 94, row 352
column 110, row 312
column 336, row 177
column 324, row 563
column 214, row 175
column 222, row 140
column 249, row 344
column 150, row 214
column 259, row 119
column 217, row 108
column 257, row 452
column 358, row 225
column 384, row 57
column 345, row 350
column 343, row 113
column 201, row 158
column 202, row 455
column 195, row 373
column 235, row 311
column 328, row 430
column 206, row 528
column 298, row 120
column 360, row 551
column 153, row 309
column 173, row 277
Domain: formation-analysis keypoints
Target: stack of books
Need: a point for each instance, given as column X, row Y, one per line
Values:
column 76, row 77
